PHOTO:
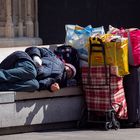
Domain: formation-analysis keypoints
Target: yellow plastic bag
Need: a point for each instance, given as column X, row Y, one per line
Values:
column 116, row 54
column 97, row 57
column 122, row 57
column 110, row 51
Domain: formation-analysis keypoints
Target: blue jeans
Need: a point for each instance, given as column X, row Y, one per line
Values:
column 20, row 78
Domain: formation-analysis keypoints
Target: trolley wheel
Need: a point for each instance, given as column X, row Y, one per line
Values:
column 117, row 125
column 108, row 125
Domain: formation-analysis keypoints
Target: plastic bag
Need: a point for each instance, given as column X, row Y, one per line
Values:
column 116, row 54
column 134, row 47
column 77, row 37
column 133, row 35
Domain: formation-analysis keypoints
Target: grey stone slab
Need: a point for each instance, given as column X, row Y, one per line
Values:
column 68, row 91
column 7, row 97
column 41, row 111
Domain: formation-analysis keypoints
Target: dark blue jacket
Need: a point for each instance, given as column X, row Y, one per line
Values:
column 10, row 61
column 52, row 69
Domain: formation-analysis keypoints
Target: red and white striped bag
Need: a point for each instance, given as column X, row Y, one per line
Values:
column 104, row 91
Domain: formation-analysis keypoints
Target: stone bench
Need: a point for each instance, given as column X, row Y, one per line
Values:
column 33, row 111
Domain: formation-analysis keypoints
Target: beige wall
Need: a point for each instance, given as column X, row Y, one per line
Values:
column 18, row 20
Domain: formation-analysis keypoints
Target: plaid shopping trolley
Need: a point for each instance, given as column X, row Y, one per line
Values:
column 104, row 95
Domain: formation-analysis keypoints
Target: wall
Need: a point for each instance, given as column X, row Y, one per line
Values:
column 53, row 15
column 19, row 23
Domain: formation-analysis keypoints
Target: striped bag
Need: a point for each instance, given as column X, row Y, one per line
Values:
column 104, row 91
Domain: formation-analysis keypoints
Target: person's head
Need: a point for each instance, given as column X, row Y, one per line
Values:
column 70, row 70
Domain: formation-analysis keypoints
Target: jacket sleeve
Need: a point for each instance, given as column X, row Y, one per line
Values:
column 45, row 84
column 33, row 51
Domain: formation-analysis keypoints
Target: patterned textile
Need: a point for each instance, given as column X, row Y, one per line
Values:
column 104, row 91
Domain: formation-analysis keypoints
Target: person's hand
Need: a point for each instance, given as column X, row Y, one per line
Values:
column 37, row 61
column 55, row 87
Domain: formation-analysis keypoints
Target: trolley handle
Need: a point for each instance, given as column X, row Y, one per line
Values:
column 91, row 50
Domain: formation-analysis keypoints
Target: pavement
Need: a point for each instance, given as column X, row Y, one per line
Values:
column 78, row 134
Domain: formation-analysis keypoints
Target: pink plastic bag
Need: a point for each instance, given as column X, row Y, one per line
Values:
column 134, row 47
column 133, row 35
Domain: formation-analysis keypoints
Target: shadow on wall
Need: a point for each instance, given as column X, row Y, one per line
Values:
column 48, row 110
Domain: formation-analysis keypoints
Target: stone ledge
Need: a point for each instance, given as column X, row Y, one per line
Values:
column 19, row 41
column 68, row 91
column 41, row 111
column 5, row 51
column 7, row 97
column 12, row 96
